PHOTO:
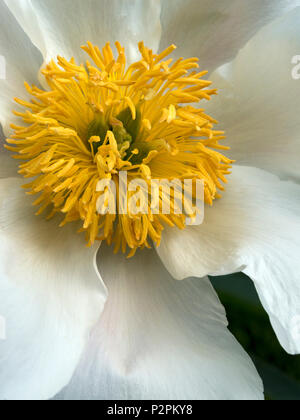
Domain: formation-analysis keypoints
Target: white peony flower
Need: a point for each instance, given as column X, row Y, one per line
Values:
column 85, row 323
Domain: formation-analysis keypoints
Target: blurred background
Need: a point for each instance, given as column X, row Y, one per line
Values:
column 250, row 324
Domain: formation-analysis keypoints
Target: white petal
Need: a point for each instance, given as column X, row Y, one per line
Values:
column 61, row 27
column 254, row 228
column 259, row 101
column 19, row 62
column 51, row 295
column 214, row 31
column 160, row 339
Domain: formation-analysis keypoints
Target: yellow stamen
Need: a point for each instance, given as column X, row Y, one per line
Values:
column 99, row 119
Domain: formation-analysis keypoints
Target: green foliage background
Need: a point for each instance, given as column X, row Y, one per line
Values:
column 250, row 324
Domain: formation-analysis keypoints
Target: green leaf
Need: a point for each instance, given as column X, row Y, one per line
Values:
column 250, row 324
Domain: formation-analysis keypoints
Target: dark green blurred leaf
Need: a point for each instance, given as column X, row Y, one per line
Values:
column 250, row 324
column 278, row 386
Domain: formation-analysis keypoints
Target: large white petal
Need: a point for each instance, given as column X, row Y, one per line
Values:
column 215, row 30
column 254, row 228
column 259, row 101
column 61, row 27
column 51, row 295
column 160, row 339
column 19, row 61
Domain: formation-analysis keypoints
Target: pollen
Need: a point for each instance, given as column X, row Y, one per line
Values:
column 102, row 118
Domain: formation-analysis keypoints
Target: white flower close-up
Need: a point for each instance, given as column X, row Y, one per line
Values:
column 132, row 314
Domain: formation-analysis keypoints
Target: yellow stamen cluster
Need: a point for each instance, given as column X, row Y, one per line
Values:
column 164, row 137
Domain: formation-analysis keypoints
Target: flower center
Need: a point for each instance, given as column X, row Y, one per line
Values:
column 99, row 121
